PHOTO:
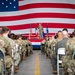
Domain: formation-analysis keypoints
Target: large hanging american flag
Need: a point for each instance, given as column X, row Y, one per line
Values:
column 56, row 14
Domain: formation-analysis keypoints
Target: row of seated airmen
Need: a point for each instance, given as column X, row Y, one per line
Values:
column 50, row 46
column 15, row 48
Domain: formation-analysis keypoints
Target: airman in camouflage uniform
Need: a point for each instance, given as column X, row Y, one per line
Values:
column 40, row 30
column 43, row 46
column 22, row 48
column 52, row 45
column 68, row 62
column 48, row 48
column 1, row 60
column 18, row 46
column 28, row 46
column 53, row 52
column 54, row 41
column 15, row 50
column 7, row 47
column 46, row 45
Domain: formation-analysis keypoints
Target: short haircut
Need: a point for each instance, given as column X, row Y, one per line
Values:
column 5, row 29
column 65, row 33
column 65, row 29
column 59, row 31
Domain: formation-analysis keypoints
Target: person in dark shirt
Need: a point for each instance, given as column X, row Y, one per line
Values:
column 60, row 44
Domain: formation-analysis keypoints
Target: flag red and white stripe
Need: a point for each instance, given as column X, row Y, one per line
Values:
column 57, row 14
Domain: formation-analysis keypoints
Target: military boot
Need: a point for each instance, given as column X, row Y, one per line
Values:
column 54, row 72
column 15, row 69
column 66, row 73
column 23, row 57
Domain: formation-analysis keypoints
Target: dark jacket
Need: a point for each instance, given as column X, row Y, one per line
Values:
column 60, row 44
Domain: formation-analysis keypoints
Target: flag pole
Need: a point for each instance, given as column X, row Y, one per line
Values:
column 30, row 31
column 36, row 31
column 47, row 27
column 47, row 30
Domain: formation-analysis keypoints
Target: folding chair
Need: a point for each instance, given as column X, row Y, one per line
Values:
column 61, row 51
column 73, row 56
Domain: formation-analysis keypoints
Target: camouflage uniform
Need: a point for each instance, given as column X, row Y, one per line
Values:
column 22, row 48
column 67, row 62
column 53, row 43
column 28, row 47
column 54, row 54
column 1, row 60
column 7, row 47
column 8, row 53
column 18, row 42
column 43, row 45
column 46, row 45
column 15, row 55
column 1, row 68
column 40, row 30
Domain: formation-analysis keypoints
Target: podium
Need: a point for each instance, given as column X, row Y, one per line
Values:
column 36, row 41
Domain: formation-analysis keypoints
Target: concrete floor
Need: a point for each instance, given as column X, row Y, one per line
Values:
column 27, row 67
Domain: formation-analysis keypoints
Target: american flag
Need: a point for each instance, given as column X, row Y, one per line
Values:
column 58, row 14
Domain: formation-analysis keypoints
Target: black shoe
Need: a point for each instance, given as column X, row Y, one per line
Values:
column 54, row 72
